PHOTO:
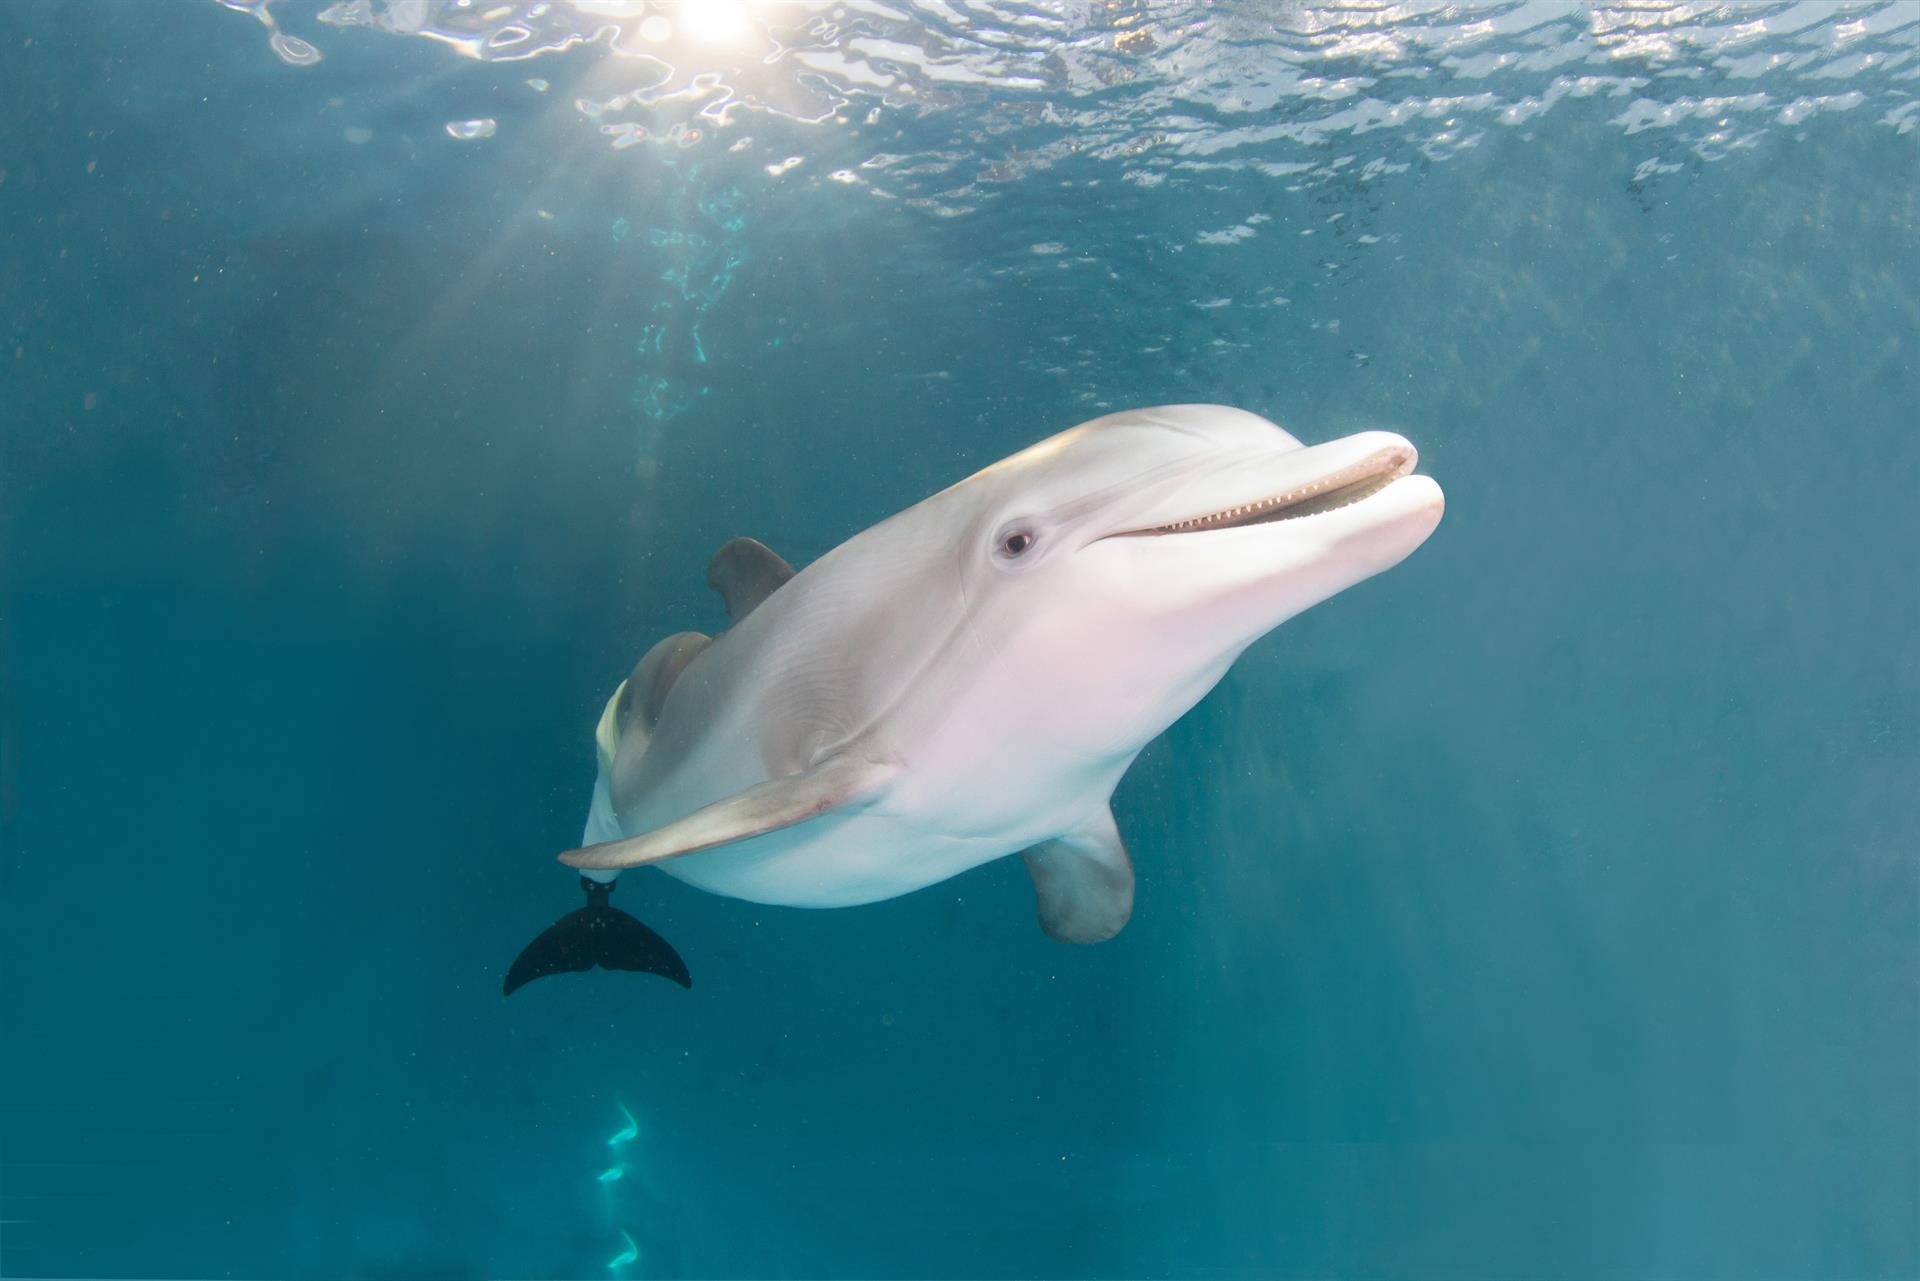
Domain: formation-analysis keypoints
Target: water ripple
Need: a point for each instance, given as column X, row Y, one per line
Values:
column 1268, row 120
column 938, row 101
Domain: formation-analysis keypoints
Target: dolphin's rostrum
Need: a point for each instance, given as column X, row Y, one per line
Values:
column 971, row 677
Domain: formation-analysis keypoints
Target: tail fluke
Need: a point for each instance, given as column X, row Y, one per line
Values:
column 596, row 935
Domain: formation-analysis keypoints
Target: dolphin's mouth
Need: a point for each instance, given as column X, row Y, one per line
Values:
column 1352, row 484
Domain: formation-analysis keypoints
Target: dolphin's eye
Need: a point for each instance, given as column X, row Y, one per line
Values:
column 1016, row 542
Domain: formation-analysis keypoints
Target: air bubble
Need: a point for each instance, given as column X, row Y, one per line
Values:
column 293, row 51
column 469, row 130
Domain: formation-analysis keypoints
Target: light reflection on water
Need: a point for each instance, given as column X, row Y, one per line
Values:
column 1197, row 120
column 1157, row 88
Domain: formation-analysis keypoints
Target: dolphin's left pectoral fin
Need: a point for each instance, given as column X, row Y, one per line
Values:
column 1085, row 882
column 837, row 783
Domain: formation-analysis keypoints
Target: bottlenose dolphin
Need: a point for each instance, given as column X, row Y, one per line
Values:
column 971, row 677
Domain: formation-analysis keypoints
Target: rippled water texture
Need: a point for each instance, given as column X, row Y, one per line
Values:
column 802, row 110
column 1164, row 91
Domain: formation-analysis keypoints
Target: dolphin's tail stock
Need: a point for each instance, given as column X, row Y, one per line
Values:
column 596, row 934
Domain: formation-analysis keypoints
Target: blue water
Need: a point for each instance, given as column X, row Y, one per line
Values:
column 1547, row 907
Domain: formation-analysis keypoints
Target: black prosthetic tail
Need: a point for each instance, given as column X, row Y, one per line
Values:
column 596, row 935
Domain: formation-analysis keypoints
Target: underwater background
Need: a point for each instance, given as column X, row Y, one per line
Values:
column 377, row 377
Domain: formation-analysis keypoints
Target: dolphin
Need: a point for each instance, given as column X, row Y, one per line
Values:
column 970, row 678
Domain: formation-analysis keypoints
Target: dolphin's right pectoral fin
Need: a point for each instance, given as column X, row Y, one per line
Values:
column 645, row 692
column 837, row 783
column 1085, row 882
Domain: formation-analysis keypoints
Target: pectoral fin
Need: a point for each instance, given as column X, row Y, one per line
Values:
column 746, row 572
column 838, row 782
column 1085, row 882
column 645, row 692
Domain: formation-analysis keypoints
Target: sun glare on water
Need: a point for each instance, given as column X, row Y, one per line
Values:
column 715, row 21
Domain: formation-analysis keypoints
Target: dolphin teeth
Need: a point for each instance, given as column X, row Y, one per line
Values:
column 1343, row 488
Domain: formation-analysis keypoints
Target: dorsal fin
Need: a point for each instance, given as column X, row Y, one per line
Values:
column 746, row 572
